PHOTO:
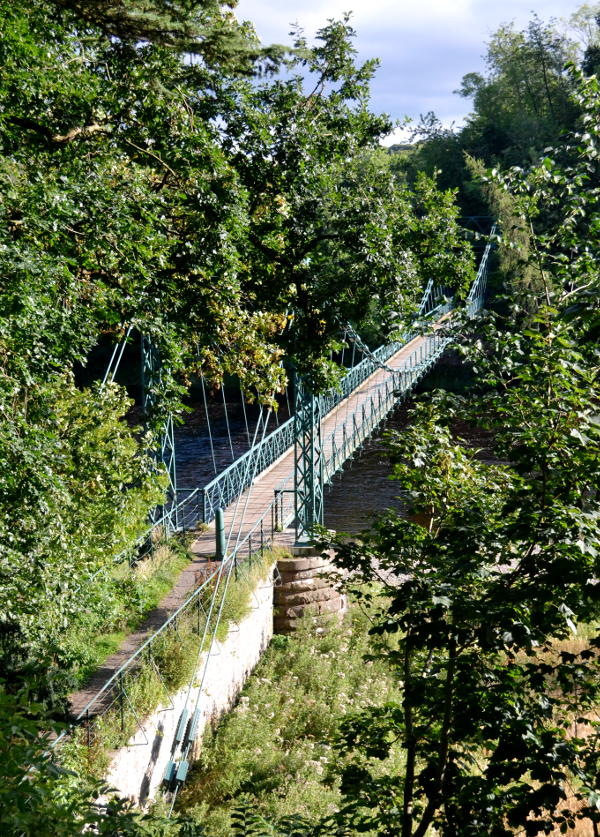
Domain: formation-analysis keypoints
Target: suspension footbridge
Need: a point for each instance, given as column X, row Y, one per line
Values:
column 276, row 483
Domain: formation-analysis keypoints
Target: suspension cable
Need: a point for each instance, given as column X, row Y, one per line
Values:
column 362, row 346
column 113, row 367
column 265, row 423
column 287, row 398
column 227, row 423
column 245, row 415
column 210, row 438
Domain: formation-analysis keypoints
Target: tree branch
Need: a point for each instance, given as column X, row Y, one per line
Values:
column 81, row 131
column 153, row 155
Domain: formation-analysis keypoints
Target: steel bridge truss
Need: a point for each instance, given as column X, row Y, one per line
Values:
column 167, row 514
column 186, row 508
column 308, row 462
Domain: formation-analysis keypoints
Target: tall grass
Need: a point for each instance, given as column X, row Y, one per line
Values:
column 124, row 599
column 274, row 749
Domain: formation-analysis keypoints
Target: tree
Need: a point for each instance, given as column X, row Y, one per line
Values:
column 331, row 225
column 117, row 188
column 585, row 22
column 118, row 207
column 521, row 104
column 204, row 28
column 229, row 220
column 76, row 488
column 485, row 589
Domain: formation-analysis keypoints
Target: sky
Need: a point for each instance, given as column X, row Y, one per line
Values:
column 425, row 46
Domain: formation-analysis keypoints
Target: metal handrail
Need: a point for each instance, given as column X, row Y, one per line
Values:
column 477, row 291
column 235, row 479
column 404, row 379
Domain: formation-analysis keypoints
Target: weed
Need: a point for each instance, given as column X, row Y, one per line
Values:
column 124, row 600
column 275, row 749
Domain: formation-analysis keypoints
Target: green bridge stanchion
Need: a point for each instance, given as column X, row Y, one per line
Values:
column 220, row 535
column 165, row 453
column 308, row 463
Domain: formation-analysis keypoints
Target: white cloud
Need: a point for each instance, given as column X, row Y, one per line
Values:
column 425, row 47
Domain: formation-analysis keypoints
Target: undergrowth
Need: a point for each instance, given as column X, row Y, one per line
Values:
column 123, row 600
column 166, row 665
column 274, row 753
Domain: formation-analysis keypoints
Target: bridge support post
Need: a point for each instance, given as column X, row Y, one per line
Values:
column 308, row 462
column 220, row 546
column 165, row 453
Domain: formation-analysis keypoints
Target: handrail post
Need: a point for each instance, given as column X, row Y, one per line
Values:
column 220, row 535
column 122, row 702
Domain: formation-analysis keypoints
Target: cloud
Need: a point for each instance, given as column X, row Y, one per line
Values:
column 425, row 48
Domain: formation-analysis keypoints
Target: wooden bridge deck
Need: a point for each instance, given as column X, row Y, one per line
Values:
column 240, row 518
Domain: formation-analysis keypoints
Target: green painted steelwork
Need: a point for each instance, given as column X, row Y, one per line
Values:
column 220, row 545
column 333, row 452
column 308, row 462
column 150, row 379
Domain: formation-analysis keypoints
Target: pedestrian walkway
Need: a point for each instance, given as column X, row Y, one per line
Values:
column 267, row 505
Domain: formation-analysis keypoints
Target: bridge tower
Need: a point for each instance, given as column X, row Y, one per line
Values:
column 165, row 451
column 308, row 461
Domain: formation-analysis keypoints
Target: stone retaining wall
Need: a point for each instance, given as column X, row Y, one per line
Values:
column 307, row 587
column 137, row 770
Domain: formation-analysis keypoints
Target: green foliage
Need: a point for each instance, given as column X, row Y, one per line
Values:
column 269, row 758
column 202, row 27
column 134, row 177
column 480, row 591
column 526, row 94
column 64, row 515
column 497, row 568
column 330, row 225
column 227, row 219
column 518, row 273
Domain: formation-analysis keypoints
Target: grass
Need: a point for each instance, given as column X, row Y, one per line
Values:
column 135, row 592
column 165, row 666
column 274, row 750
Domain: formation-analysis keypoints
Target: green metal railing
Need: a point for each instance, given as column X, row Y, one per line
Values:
column 234, row 480
column 476, row 296
column 200, row 613
column 198, row 505
column 357, row 427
